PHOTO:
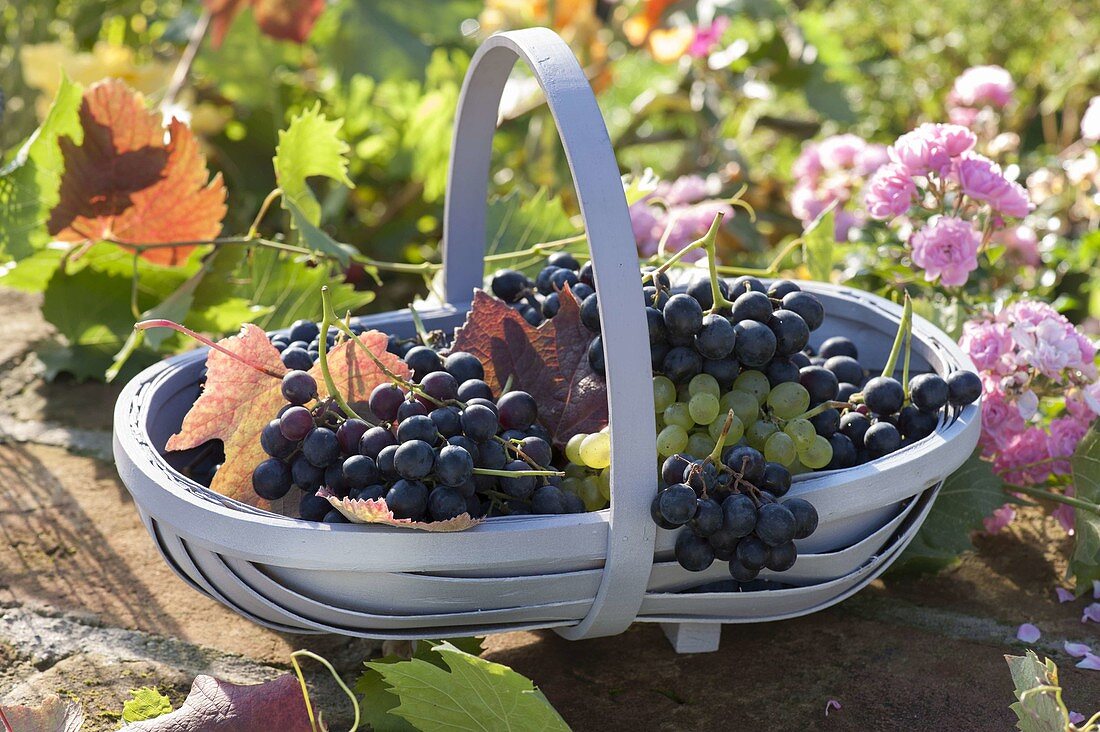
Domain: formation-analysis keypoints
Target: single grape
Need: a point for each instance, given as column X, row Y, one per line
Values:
column 716, row 338
column 779, row 448
column 445, row 503
column 845, row 391
column 780, row 370
column 808, row 307
column 271, row 479
column 479, row 423
column 538, row 450
column 746, row 460
column 781, row 288
column 805, row 516
column 743, row 404
column 929, row 392
column 881, row 438
column 321, row 447
column 693, row 552
column 755, row 383
column 473, row 389
column 492, row 455
column 463, row 367
column 682, row 363
column 826, row 422
column 699, row 443
column 423, row 361
column 733, row 435
column 672, row 470
column 591, row 495
column 838, row 346
column 518, row 410
column 664, row 393
column 439, row 385
column 708, row 517
column 407, row 499
column 453, row 466
column 374, row 439
column 791, row 332
column 777, row 479
column 755, row 344
column 349, row 434
column 596, row 450
column 447, row 420
column 548, row 499
column 883, row 395
column 745, row 284
column 916, row 424
column 604, row 481
column 385, row 400
column 724, row 371
column 274, row 442
column 590, row 313
column 703, row 408
column 752, row 553
column 801, row 431
column 411, row 408
column 683, row 315
column 299, row 387
column 573, row 449
column 854, row 425
column 518, row 486
column 306, row 475
column 751, row 306
column 738, row 515
column 509, row 285
column 313, row 507
column 360, row 470
column 385, row 461
column 740, row 572
column 672, row 439
column 782, row 557
column 963, row 387
column 817, row 455
column 758, row 433
column 678, row 504
column 701, row 291
column 788, row 400
column 304, row 330
column 414, row 459
column 819, row 382
column 596, row 356
column 704, row 384
column 679, row 414
column 844, row 452
column 297, row 359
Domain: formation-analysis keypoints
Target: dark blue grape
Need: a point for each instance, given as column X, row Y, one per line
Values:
column 491, row 454
column 414, row 459
column 755, row 344
column 963, row 387
column 678, row 504
column 916, row 424
column 674, row 467
column 453, row 466
column 701, row 291
column 297, row 359
column 562, row 277
column 791, row 332
column 385, row 461
column 845, row 391
column 374, row 440
column 596, row 357
column 781, row 370
column 845, row 368
column 349, row 434
column 883, row 395
column 775, row 524
column 781, row 288
column 518, row 486
column 743, row 284
column 844, row 452
column 747, row 461
column 419, row 427
column 692, row 552
column 303, row 330
column 881, row 438
column 407, row 499
column 474, row 389
column 751, row 306
column 551, row 305
column 827, row 422
column 537, row 449
column 805, row 516
column 590, row 313
column 708, row 517
column 440, row 385
column 271, row 479
column 360, row 470
column 479, row 423
column 681, row 364
column 800, row 359
column 423, row 361
column 447, row 421
column 724, row 371
column 411, row 408
column 517, row 410
column 445, row 503
column 782, row 557
column 752, row 553
column 313, row 508
column 334, row 480
column 807, row 306
column 683, row 315
column 464, row 366
column 335, row 517
column 776, row 480
column 929, row 392
column 298, row 387
column 741, row 573
column 371, row 492
column 854, row 425
column 716, row 338
column 655, row 514
column 509, row 285
column 274, row 443
column 548, row 499
column 306, row 475
column 385, row 400
column 838, row 346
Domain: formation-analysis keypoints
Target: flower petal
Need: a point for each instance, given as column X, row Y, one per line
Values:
column 1063, row 594
column 1077, row 650
column 1091, row 662
column 1092, row 612
column 1076, row 717
column 1028, row 633
column 831, row 704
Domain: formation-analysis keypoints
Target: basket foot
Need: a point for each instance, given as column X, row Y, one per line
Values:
column 693, row 637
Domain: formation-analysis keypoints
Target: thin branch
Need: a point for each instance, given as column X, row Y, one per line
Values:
column 183, row 68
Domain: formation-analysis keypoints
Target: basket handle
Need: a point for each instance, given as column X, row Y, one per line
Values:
column 615, row 265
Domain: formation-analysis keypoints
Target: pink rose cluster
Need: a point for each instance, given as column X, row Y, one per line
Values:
column 978, row 88
column 1024, row 353
column 933, row 172
column 834, row 170
column 684, row 207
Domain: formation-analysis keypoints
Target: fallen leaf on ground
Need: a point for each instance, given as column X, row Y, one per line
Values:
column 124, row 183
column 237, row 401
column 550, row 362
column 52, row 715
column 219, row 706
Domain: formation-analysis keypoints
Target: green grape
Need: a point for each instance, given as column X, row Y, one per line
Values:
column 736, row 431
column 816, row 455
column 780, row 449
column 788, row 400
column 699, row 444
column 596, row 450
column 758, row 433
column 801, row 431
column 573, row 484
column 664, row 393
column 671, row 440
column 754, row 383
column 703, row 408
column 590, row 493
column 704, row 383
column 743, row 404
column 604, row 480
column 677, row 414
column 574, row 471
column 573, row 449
column 797, row 468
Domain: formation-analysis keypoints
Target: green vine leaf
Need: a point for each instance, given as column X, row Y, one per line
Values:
column 817, row 246
column 474, row 695
column 516, row 221
column 1085, row 562
column 315, row 238
column 309, row 146
column 968, row 495
column 145, row 703
column 1039, row 705
column 29, row 183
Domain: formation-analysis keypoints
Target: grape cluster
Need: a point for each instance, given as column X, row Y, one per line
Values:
column 435, row 448
column 731, row 511
column 540, row 299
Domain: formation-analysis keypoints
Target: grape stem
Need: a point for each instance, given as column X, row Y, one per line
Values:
column 327, row 317
column 162, row 323
column 652, row 275
column 305, row 691
column 514, row 473
column 822, row 407
column 1057, row 498
column 908, row 348
column 716, row 454
column 903, row 326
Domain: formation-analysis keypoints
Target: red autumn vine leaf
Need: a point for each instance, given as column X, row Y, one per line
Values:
column 287, row 20
column 550, row 362
column 214, row 705
column 237, row 401
column 124, row 183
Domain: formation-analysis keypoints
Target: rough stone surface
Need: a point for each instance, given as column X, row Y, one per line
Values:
column 88, row 610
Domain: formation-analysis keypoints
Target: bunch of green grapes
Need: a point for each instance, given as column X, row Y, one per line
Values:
column 690, row 419
column 588, row 474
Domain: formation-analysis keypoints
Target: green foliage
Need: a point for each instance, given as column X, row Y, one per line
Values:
column 469, row 693
column 145, row 703
column 516, row 221
column 1085, row 562
column 29, row 182
column 1039, row 706
column 309, row 146
column 817, row 245
column 968, row 495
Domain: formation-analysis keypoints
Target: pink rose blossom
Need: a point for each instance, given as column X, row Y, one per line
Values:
column 840, row 151
column 1049, row 345
column 931, row 147
column 870, row 159
column 999, row 519
column 982, row 180
column 1011, row 200
column 1064, row 515
column 890, row 193
column 965, row 116
column 983, row 86
column 1001, row 422
column 707, row 37
column 1022, row 462
column 989, row 345
column 946, row 249
column 684, row 190
column 1065, row 433
column 832, row 171
column 1090, row 120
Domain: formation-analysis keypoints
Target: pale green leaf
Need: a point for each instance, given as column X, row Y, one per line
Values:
column 33, row 273
column 1039, row 705
column 145, row 703
column 968, row 495
column 309, row 146
column 1085, row 562
column 517, row 221
column 314, row 238
column 475, row 695
column 817, row 245
column 29, row 182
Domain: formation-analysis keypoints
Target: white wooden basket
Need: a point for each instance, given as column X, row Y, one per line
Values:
column 586, row 575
